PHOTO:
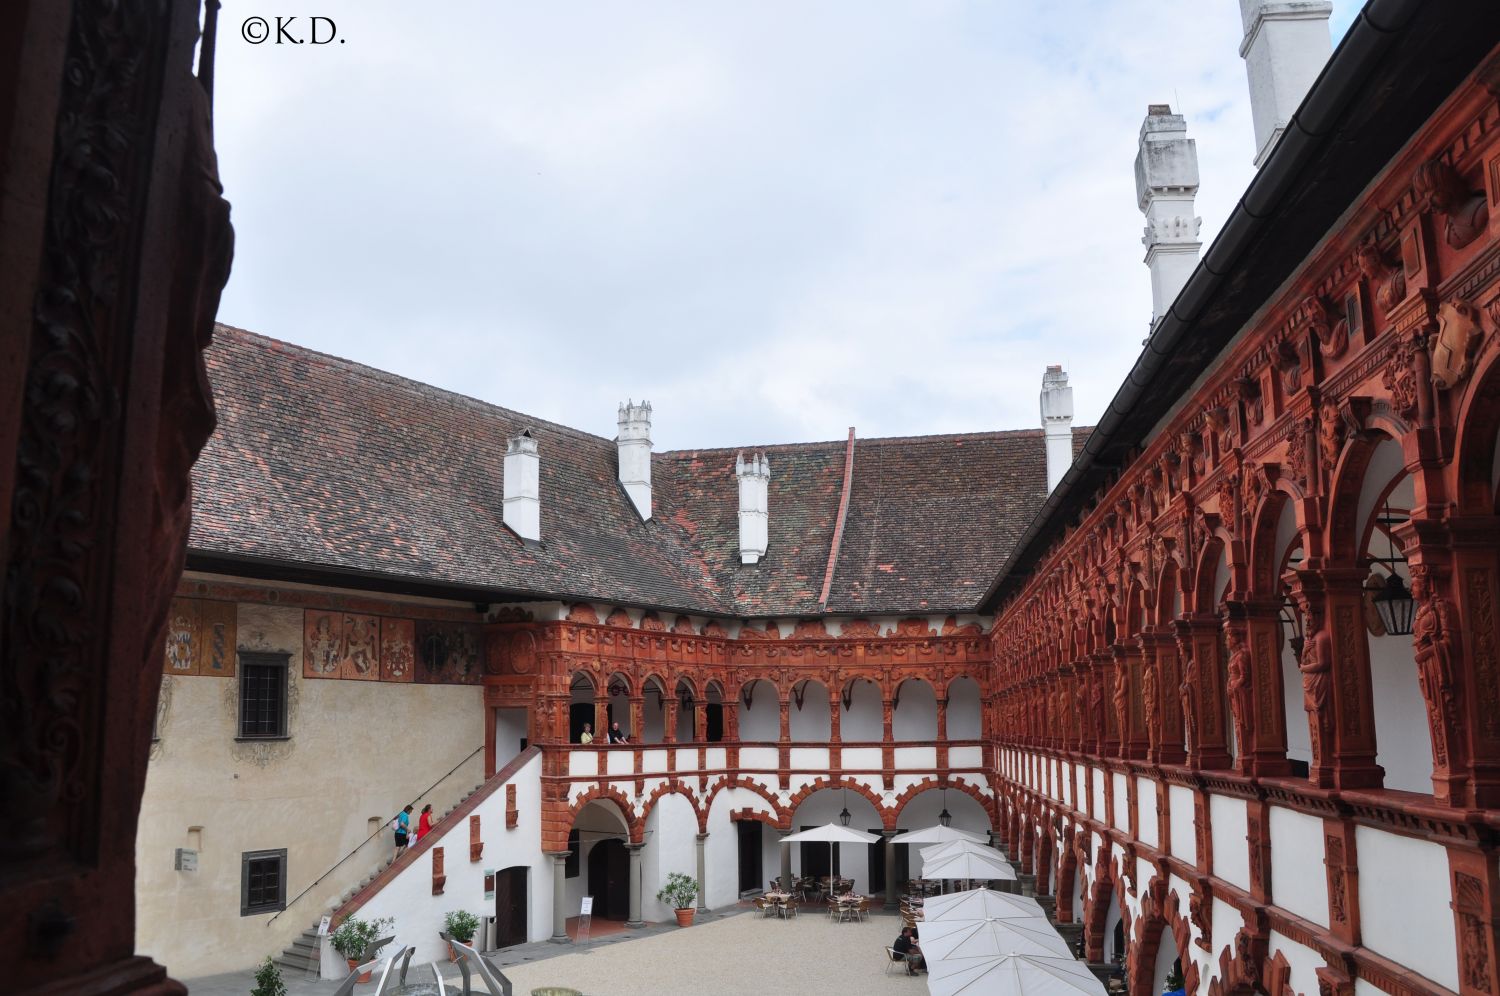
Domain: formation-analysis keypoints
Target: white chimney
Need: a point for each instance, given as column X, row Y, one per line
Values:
column 523, row 498
column 1285, row 48
column 755, row 490
column 1166, row 181
column 1057, row 424
column 634, row 446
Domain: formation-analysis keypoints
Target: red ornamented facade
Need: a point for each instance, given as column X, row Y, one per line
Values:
column 1202, row 646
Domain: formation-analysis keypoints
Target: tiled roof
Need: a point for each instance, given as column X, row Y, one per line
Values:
column 329, row 465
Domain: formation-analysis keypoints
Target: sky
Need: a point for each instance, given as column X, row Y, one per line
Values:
column 773, row 220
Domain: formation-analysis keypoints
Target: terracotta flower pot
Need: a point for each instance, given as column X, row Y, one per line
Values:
column 353, row 964
column 685, row 917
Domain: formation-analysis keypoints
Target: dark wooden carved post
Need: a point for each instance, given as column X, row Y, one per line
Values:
column 1335, row 669
column 1202, row 689
column 116, row 242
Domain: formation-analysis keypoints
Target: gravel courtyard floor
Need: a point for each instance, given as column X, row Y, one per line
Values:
column 744, row 955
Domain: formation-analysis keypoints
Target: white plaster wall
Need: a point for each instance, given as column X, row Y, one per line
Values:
column 761, row 720
column 1098, row 808
column 1145, row 809
column 418, row 914
column 510, row 731
column 1298, row 733
column 1166, row 956
column 915, row 715
column 267, row 795
column 823, row 807
column 1231, row 853
column 813, row 723
column 653, row 717
column 964, row 710
column 1304, row 962
column 922, row 811
column 1184, row 836
column 1298, row 879
column 1417, row 931
column 1403, row 739
column 864, row 720
column 858, row 758
column 753, row 758
column 965, row 757
column 1226, row 923
column 671, row 846
column 721, row 851
column 1122, row 802
column 595, row 822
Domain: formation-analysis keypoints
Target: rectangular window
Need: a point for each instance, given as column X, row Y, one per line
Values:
column 570, row 863
column 263, row 679
column 262, row 882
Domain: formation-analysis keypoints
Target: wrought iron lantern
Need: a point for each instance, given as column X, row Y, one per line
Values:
column 844, row 816
column 1393, row 602
column 945, row 817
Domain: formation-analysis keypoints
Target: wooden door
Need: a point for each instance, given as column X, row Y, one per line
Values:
column 750, row 855
column 510, row 907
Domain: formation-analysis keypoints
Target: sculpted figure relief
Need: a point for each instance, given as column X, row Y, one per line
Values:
column 1316, row 665
column 1433, row 632
column 1187, row 694
column 1387, row 282
column 1239, row 687
column 1122, row 698
column 1153, row 704
column 1442, row 190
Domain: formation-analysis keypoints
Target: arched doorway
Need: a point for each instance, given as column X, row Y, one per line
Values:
column 581, row 707
column 598, row 864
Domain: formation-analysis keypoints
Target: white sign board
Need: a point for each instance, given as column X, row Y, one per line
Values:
column 588, row 906
column 323, row 925
column 185, row 860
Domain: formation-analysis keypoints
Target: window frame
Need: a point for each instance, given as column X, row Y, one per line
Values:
column 249, row 660
column 246, row 857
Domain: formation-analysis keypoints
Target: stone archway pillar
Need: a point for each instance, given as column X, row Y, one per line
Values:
column 702, row 840
column 892, row 887
column 634, row 851
column 559, row 896
column 786, row 860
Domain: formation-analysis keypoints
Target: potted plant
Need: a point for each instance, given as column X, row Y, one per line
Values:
column 459, row 925
column 680, row 893
column 1174, row 983
column 268, row 980
column 354, row 939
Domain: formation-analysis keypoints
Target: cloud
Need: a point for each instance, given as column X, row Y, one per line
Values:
column 774, row 220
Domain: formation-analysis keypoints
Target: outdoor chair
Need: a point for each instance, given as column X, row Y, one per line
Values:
column 766, row 907
column 861, row 909
column 894, row 957
column 789, row 909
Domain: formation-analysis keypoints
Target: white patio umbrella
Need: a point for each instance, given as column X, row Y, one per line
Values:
column 1012, row 975
column 938, row 835
column 992, row 936
column 968, row 865
column 831, row 833
column 980, row 904
column 934, row 851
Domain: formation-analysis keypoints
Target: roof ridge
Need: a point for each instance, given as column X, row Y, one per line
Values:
column 356, row 368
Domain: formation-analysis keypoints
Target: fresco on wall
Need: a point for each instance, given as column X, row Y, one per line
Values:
column 449, row 653
column 397, row 649
column 182, row 634
column 323, row 647
column 200, row 638
column 217, row 634
column 361, row 648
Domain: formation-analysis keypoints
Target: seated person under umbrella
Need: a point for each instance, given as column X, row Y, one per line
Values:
column 911, row 951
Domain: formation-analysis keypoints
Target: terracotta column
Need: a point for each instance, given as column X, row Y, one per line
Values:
column 1164, row 719
column 637, row 718
column 785, row 704
column 1201, row 690
column 669, row 721
column 1472, row 593
column 601, row 717
column 1255, row 686
column 835, row 715
column 1335, row 669
column 700, row 722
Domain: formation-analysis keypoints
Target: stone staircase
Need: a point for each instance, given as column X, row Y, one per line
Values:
column 302, row 955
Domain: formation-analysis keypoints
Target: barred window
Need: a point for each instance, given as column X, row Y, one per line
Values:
column 262, row 882
column 263, row 681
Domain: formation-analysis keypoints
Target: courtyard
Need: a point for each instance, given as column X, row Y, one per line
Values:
column 735, row 951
